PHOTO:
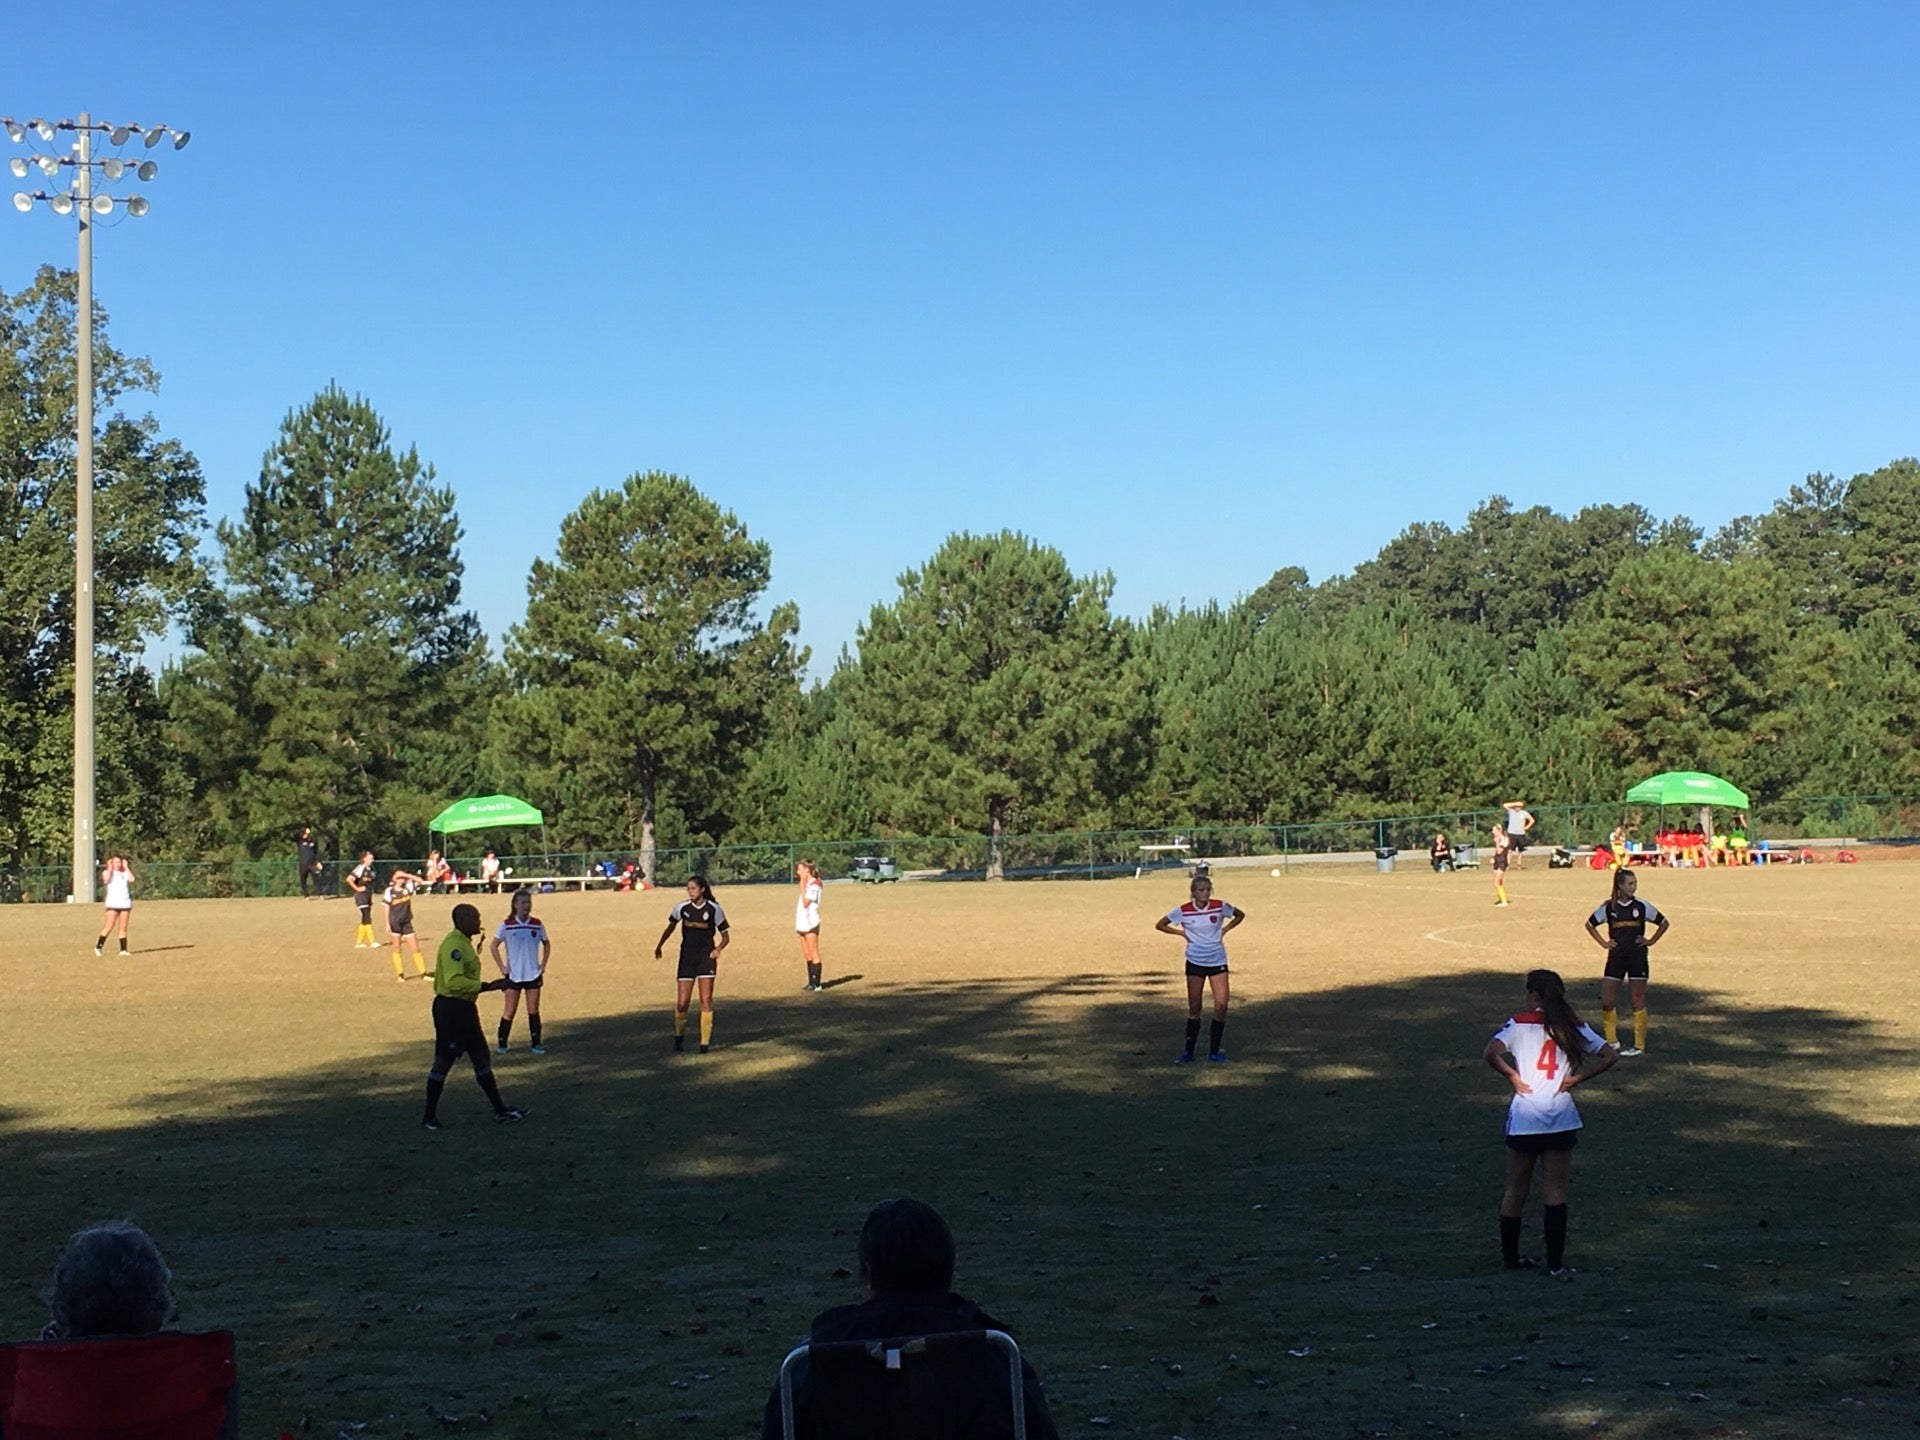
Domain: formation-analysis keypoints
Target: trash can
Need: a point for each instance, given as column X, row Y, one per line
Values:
column 866, row 868
column 886, row 869
column 1383, row 858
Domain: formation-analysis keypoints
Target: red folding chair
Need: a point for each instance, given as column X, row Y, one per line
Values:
column 170, row 1386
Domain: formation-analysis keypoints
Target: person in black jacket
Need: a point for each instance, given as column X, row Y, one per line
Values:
column 906, row 1262
column 308, row 851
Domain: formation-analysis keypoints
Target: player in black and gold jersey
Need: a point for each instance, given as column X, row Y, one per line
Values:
column 703, row 935
column 1624, row 921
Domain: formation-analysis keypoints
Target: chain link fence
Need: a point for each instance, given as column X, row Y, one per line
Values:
column 1087, row 853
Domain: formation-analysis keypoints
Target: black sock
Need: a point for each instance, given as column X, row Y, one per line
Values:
column 1510, row 1241
column 813, row 974
column 533, row 1028
column 1556, row 1235
column 506, row 1029
column 435, row 1084
column 1219, row 1029
column 1193, row 1034
column 123, row 944
column 485, row 1077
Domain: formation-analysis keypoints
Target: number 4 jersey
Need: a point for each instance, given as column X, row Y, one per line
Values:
column 1548, row 1109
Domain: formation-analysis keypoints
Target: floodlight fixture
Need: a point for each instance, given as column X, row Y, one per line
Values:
column 156, row 135
column 102, row 204
column 62, row 204
column 18, row 165
column 48, row 165
column 137, row 206
column 22, row 201
column 146, row 170
column 119, row 134
column 180, row 139
column 41, row 128
column 15, row 131
column 113, row 167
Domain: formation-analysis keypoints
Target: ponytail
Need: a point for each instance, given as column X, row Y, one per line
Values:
column 1562, row 1024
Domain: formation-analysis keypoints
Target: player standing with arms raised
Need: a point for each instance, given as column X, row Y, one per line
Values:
column 703, row 935
column 400, row 887
column 1544, row 1052
column 1626, row 942
column 117, row 880
column 1502, row 853
column 525, row 967
column 1204, row 922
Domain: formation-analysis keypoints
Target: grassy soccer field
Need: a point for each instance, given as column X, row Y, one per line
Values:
column 1299, row 1243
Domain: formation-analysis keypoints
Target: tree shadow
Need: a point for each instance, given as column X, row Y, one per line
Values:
column 1299, row 1242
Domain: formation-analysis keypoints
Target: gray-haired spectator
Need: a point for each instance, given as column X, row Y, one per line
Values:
column 111, row 1280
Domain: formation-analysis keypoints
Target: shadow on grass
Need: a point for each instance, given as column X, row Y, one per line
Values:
column 1300, row 1242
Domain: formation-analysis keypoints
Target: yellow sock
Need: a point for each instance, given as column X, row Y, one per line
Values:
column 1639, row 1029
column 396, row 964
column 679, row 1022
column 706, row 1028
column 1610, row 1026
column 1500, row 889
column 419, row 962
column 363, row 935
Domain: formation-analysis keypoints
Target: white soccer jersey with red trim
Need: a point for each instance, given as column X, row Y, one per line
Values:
column 1205, row 927
column 1536, row 1055
column 523, row 939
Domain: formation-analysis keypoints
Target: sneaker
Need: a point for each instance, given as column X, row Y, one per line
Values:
column 401, row 978
column 100, row 950
column 1629, row 1051
column 538, row 1050
column 432, row 1122
column 679, row 1044
column 501, row 1048
column 1218, row 1057
column 1499, row 904
column 1185, row 1057
column 511, row 1114
column 1565, row 1272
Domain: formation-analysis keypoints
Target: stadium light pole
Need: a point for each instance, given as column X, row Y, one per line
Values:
column 84, row 198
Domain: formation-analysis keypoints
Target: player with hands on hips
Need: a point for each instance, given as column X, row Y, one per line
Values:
column 1204, row 922
column 1625, row 918
column 1544, row 1053
column 703, row 935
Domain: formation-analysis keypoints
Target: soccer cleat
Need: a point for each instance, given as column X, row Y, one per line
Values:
column 539, row 1050
column 679, row 1044
column 432, row 1122
column 510, row 1115
column 1523, row 1263
column 1565, row 1272
column 1628, row 1051
column 1185, row 1057
column 1218, row 1057
column 1499, row 904
column 501, row 1048
column 99, row 949
column 401, row 978
column 705, row 1048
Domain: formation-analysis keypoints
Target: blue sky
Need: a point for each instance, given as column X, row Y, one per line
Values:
column 1189, row 292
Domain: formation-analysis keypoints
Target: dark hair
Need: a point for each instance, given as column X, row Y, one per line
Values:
column 466, row 919
column 111, row 1280
column 1562, row 1024
column 905, row 1245
column 706, row 890
column 1622, row 878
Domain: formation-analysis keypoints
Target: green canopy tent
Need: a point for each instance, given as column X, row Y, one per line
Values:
column 486, row 812
column 1689, row 787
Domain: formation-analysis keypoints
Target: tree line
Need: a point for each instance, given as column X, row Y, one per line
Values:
column 330, row 673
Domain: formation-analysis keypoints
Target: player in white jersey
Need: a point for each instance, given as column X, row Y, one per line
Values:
column 1203, row 922
column 117, row 881
column 806, row 919
column 524, row 967
column 1544, row 1052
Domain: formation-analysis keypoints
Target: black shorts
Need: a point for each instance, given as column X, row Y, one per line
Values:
column 398, row 925
column 697, row 965
column 1518, row 840
column 1500, row 858
column 456, row 1032
column 365, row 904
column 533, row 984
column 1193, row 969
column 1625, row 964
column 1541, row 1144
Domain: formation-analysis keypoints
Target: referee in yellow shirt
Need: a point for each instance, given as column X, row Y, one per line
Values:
column 456, row 1018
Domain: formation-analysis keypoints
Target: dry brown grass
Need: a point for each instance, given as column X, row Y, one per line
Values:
column 640, row 1254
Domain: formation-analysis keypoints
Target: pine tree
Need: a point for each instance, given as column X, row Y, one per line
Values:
column 338, row 682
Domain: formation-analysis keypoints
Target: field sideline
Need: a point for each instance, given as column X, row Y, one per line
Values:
column 1299, row 1243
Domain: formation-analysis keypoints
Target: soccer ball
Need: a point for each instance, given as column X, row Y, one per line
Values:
column 1276, row 874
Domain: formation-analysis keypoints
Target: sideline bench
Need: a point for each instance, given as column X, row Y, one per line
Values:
column 509, row 883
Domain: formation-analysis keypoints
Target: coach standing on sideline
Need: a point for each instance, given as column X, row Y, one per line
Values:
column 308, row 851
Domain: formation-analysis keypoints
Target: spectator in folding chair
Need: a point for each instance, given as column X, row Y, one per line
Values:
column 104, row 1367
column 906, row 1262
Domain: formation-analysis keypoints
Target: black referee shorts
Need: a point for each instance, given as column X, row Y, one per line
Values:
column 456, row 1032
